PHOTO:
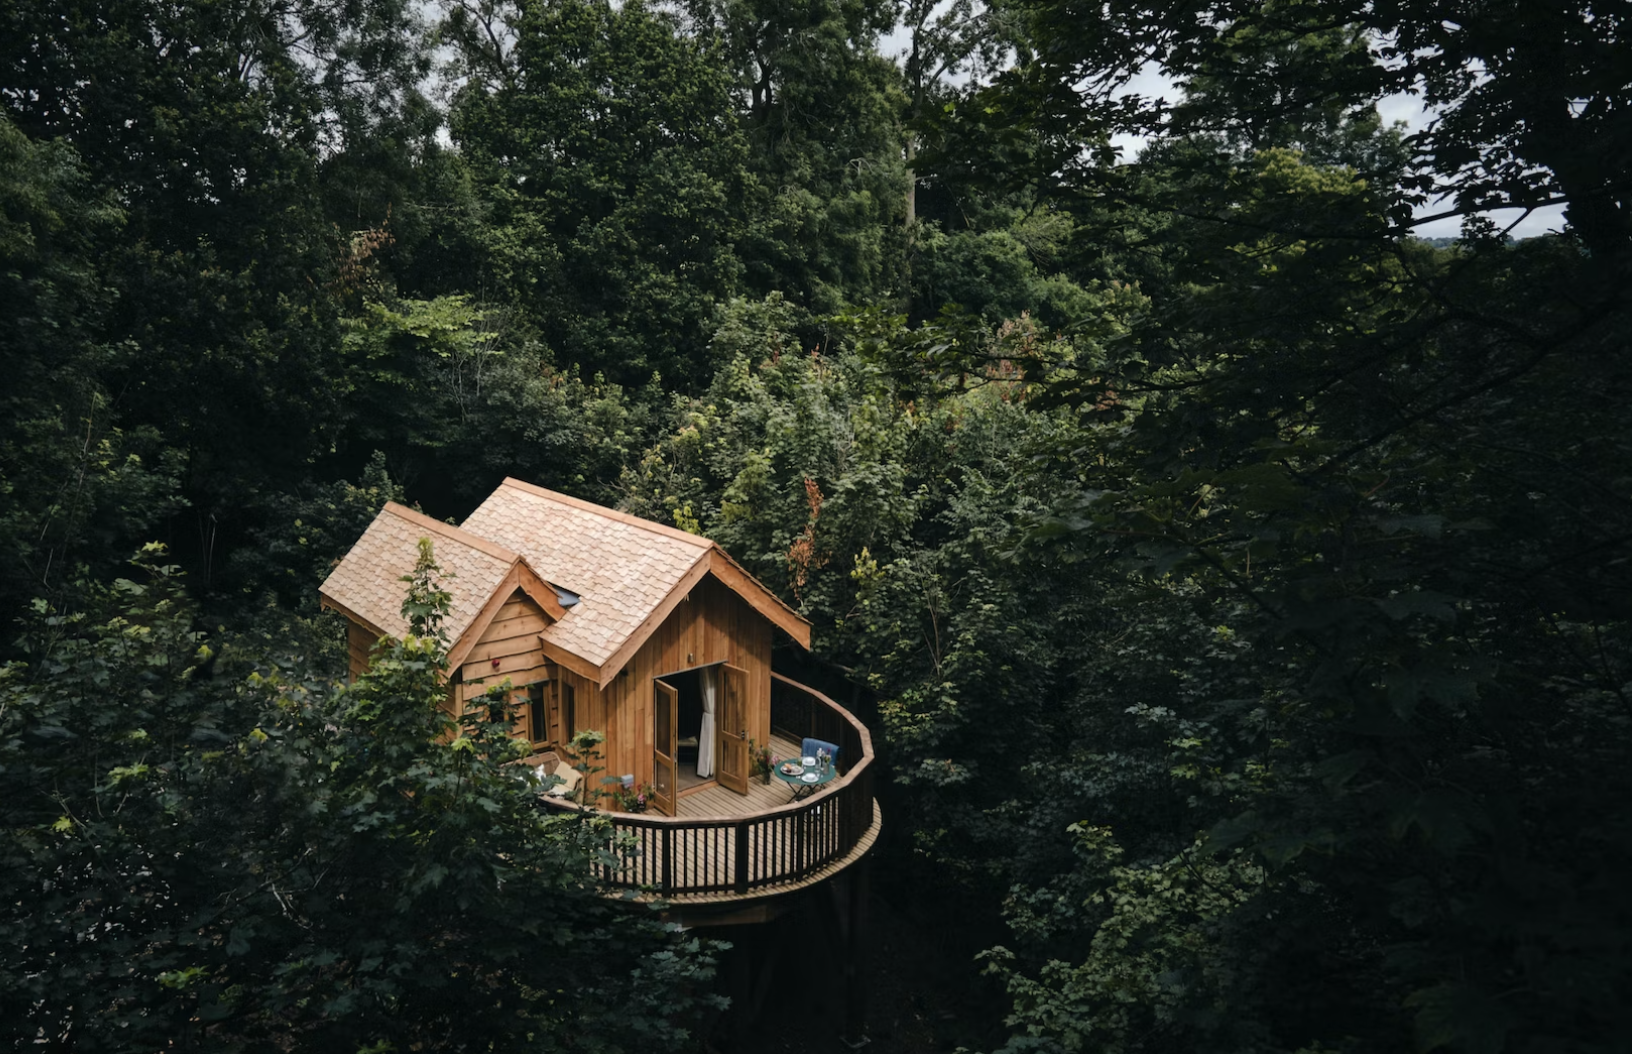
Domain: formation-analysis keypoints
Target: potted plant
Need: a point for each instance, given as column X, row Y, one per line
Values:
column 636, row 798
column 760, row 760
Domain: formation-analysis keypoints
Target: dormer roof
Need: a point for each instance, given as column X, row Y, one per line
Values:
column 368, row 584
column 629, row 573
column 625, row 574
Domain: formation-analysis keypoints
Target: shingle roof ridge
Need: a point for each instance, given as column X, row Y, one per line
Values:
column 449, row 531
column 611, row 514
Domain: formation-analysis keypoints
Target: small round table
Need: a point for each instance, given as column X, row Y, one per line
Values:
column 802, row 786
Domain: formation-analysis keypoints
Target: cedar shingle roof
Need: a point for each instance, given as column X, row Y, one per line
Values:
column 627, row 572
column 368, row 582
column 621, row 566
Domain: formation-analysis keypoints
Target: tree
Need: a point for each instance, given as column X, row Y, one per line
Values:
column 205, row 125
column 76, row 482
column 614, row 171
column 197, row 859
column 1346, row 451
column 1504, row 81
column 821, row 110
column 946, row 43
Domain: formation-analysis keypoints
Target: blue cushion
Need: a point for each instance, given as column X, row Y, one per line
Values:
column 811, row 746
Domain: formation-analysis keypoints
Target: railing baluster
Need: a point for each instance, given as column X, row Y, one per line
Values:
column 783, row 844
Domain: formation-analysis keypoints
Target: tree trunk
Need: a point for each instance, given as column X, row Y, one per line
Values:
column 912, row 186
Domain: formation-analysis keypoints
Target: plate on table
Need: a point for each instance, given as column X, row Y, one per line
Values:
column 792, row 768
column 809, row 777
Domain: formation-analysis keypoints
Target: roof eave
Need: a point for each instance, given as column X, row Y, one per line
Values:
column 758, row 597
column 520, row 576
column 326, row 601
column 569, row 660
column 643, row 632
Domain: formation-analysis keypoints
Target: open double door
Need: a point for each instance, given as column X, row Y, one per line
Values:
column 730, row 743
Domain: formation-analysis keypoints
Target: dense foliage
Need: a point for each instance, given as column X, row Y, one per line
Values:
column 197, row 859
column 1242, row 580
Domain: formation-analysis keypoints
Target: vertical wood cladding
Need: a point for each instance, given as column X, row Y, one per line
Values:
column 359, row 643
column 712, row 625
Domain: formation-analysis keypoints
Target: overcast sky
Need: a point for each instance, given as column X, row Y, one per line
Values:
column 1408, row 109
column 1401, row 108
column 1394, row 108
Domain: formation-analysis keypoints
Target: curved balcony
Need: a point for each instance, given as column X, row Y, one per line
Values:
column 760, row 848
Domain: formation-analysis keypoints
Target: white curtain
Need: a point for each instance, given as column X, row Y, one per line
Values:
column 708, row 678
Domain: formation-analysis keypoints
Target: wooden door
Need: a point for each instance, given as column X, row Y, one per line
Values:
column 665, row 733
column 731, row 755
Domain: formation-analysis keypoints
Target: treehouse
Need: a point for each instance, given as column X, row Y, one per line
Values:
column 597, row 620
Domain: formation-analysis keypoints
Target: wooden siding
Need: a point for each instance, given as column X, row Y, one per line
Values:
column 713, row 625
column 359, row 643
column 507, row 649
column 589, row 713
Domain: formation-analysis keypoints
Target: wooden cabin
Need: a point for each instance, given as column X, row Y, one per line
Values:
column 598, row 620
column 656, row 638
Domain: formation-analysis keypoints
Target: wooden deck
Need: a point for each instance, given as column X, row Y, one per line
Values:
column 727, row 847
column 715, row 800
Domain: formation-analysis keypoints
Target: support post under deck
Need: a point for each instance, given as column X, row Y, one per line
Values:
column 855, row 955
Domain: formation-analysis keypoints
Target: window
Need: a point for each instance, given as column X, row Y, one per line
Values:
column 538, row 729
column 569, row 711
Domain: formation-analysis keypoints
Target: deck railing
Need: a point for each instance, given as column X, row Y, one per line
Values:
column 756, row 851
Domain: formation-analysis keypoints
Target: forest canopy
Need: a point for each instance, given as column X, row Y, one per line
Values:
column 1241, row 579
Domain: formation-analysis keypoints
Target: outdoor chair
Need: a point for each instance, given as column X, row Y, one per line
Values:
column 535, row 767
column 570, row 778
column 810, row 746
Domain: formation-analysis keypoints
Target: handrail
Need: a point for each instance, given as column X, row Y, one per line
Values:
column 738, row 854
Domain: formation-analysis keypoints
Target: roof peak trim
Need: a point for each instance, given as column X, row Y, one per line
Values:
column 520, row 578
